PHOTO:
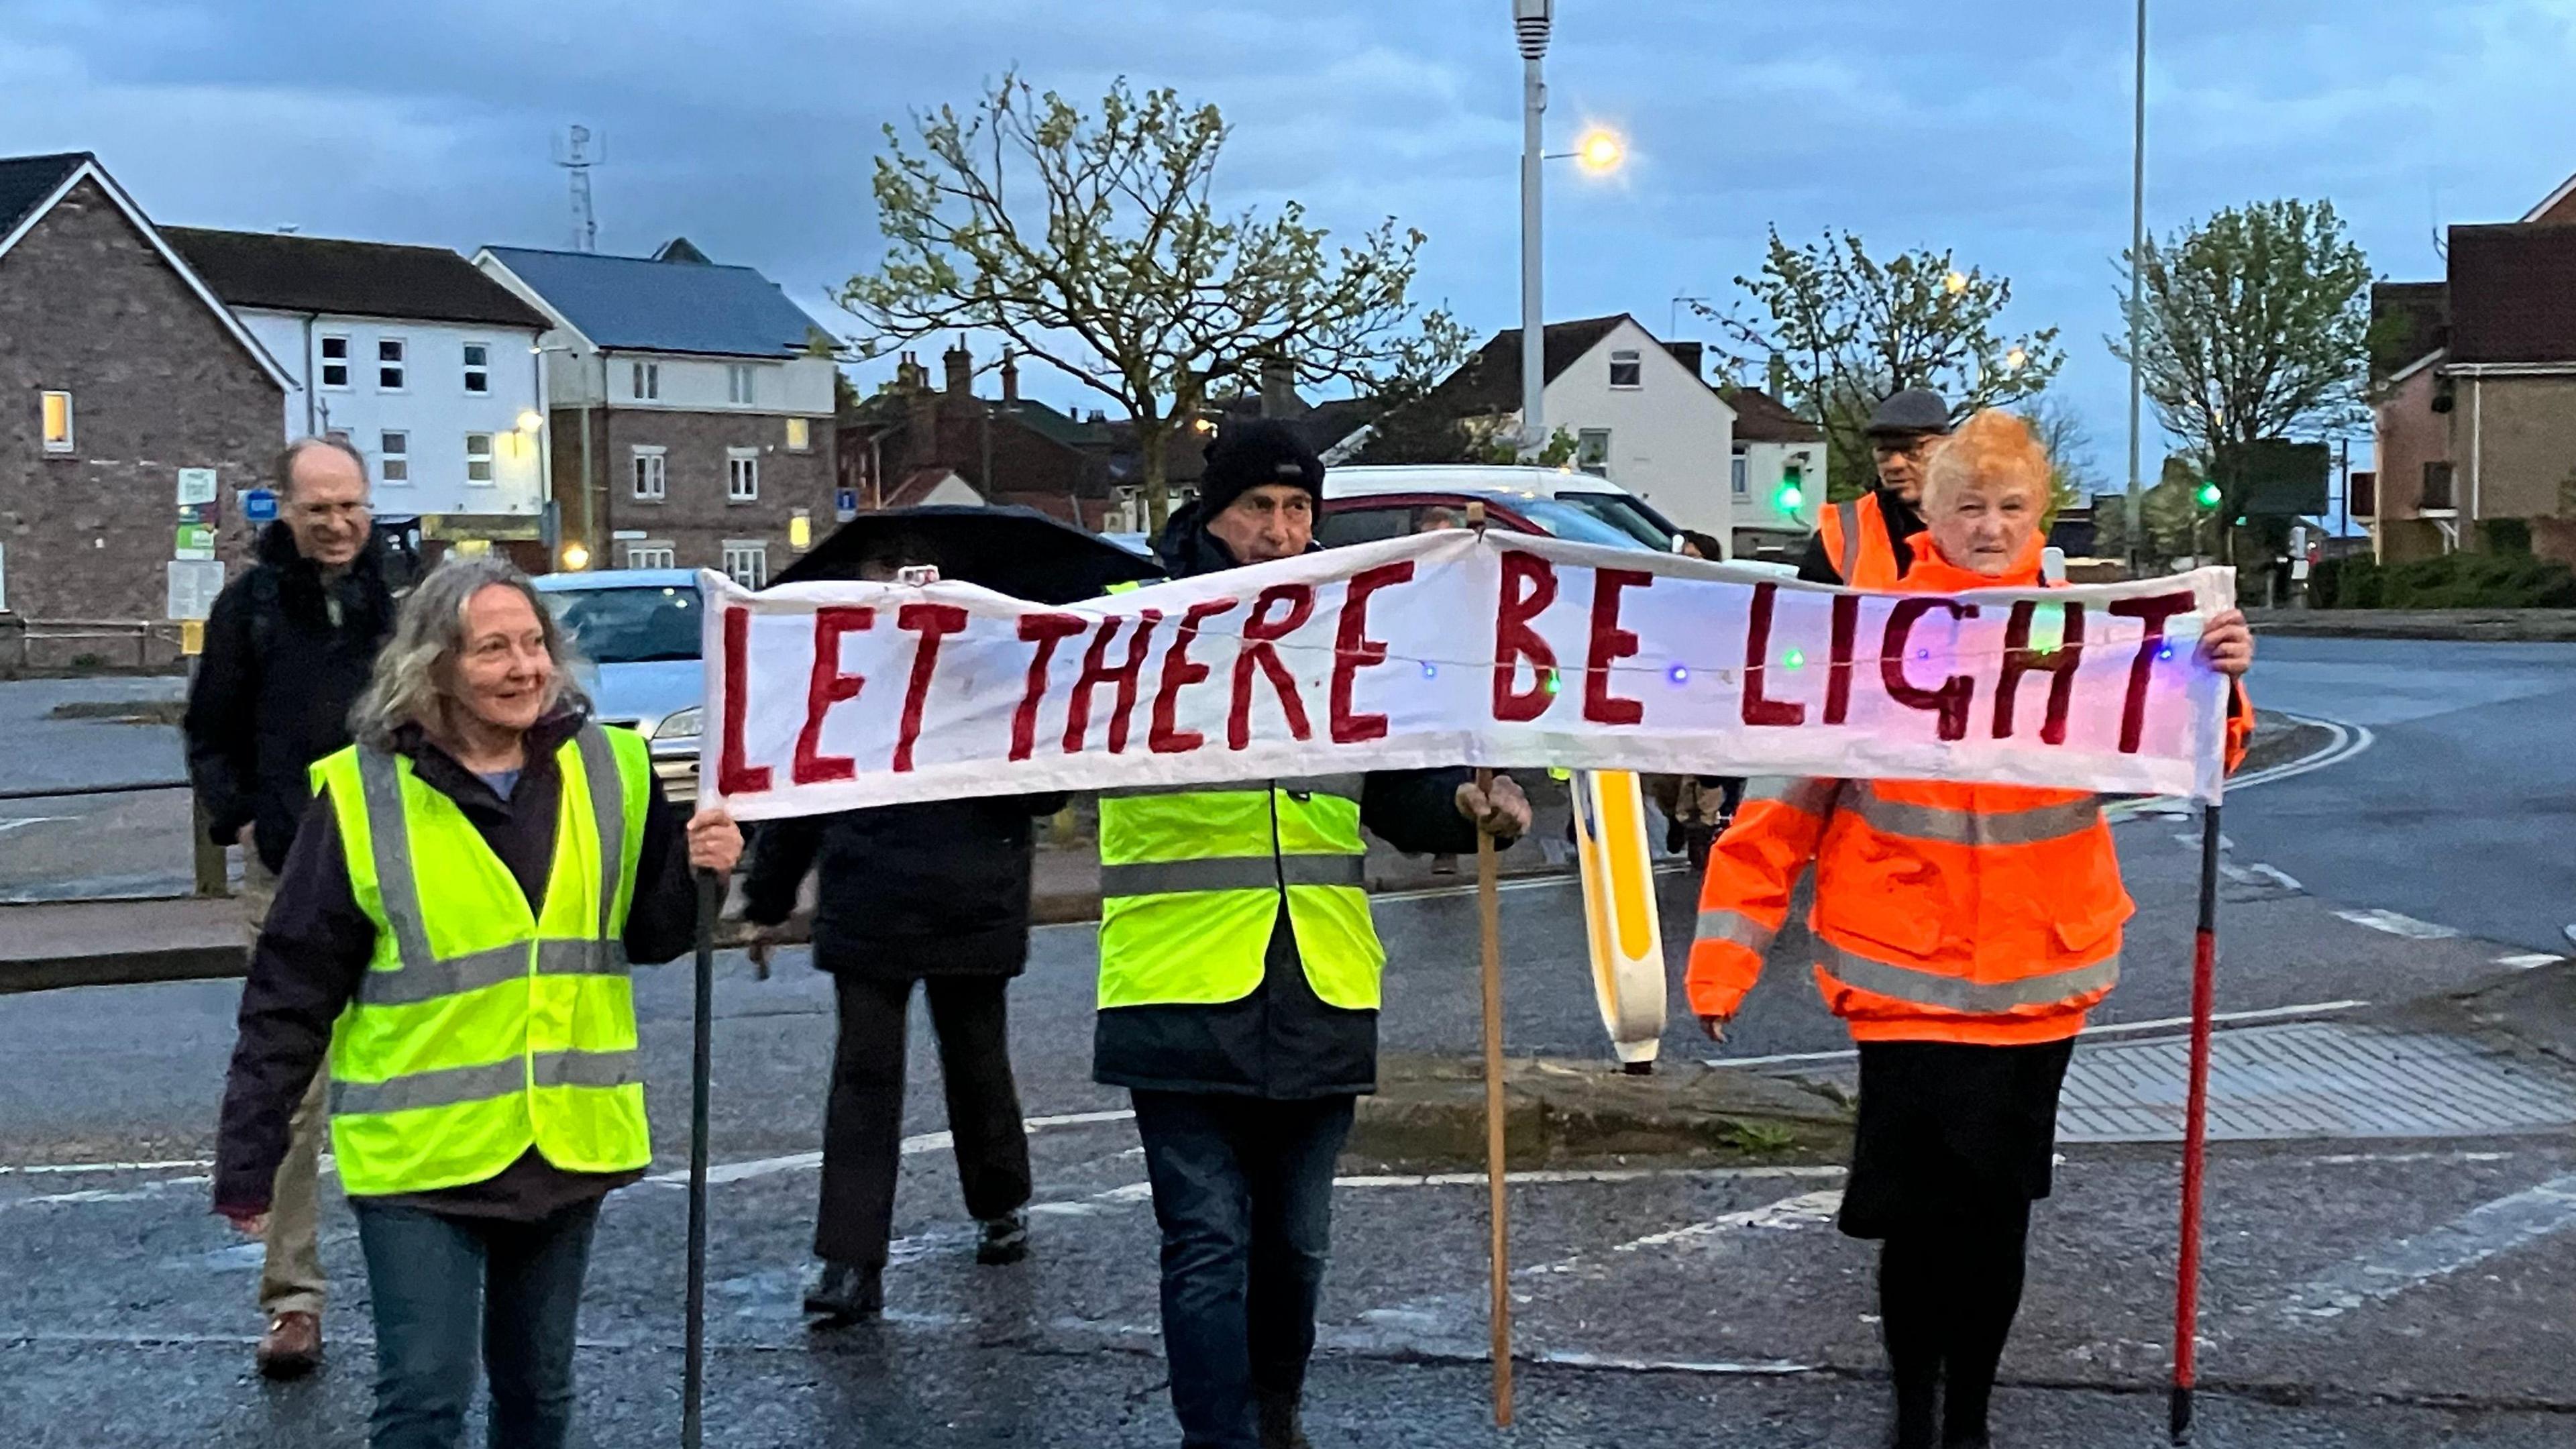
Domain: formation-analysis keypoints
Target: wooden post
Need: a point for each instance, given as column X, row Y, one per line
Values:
column 1497, row 1192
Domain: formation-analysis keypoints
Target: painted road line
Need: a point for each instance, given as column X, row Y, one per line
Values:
column 21, row 822
column 2349, row 741
column 2464, row 1242
column 1804, row 1210
column 2530, row 962
column 1548, row 1177
column 176, row 1165
column 111, row 1194
column 2107, row 1028
column 2397, row 925
column 2278, row 876
column 924, row 1142
column 2378, row 1159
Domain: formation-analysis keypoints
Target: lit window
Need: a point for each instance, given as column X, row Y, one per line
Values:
column 746, row 562
column 738, row 382
column 648, row 380
column 1592, row 451
column 742, row 475
column 1626, row 370
column 389, row 364
column 651, row 556
column 651, row 481
column 478, row 368
column 57, row 407
column 335, row 362
column 800, row 435
column 393, row 458
column 478, row 457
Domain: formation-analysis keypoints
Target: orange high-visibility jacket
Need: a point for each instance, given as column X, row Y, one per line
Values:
column 1986, row 914
column 1856, row 539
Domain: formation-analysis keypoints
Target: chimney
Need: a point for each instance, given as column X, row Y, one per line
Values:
column 921, row 431
column 1278, row 388
column 961, row 370
column 1688, row 354
column 1010, row 379
column 1777, row 377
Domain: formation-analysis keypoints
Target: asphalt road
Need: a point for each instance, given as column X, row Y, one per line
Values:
column 90, row 845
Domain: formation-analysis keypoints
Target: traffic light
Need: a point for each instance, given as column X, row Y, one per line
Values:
column 1792, row 494
column 2207, row 495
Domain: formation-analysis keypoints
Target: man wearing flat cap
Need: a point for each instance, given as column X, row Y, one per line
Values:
column 1863, row 542
column 1239, row 978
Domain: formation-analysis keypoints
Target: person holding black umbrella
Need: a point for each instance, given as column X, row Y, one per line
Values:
column 1239, row 984
column 935, row 893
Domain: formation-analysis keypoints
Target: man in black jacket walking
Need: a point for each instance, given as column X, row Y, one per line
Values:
column 1239, row 976
column 289, row 646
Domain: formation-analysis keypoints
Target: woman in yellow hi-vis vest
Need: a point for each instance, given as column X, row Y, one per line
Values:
column 454, row 926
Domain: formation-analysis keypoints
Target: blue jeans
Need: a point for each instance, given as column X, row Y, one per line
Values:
column 1243, row 1191
column 444, row 1284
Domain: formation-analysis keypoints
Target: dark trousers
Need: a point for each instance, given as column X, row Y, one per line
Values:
column 1947, row 1297
column 1243, row 1191
column 443, row 1284
column 863, row 1119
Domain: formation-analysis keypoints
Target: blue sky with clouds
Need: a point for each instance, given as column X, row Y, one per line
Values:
column 1999, row 128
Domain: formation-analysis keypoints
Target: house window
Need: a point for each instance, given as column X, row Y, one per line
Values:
column 746, row 562
column 389, row 364
column 2437, row 489
column 1592, row 451
column 478, row 368
column 651, row 556
column 335, row 362
column 1741, row 481
column 800, row 435
column 738, row 382
column 648, row 381
column 651, row 482
column 1626, row 370
column 57, row 410
column 478, row 457
column 393, row 458
column 742, row 475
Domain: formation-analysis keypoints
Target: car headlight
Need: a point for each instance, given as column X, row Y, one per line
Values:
column 681, row 724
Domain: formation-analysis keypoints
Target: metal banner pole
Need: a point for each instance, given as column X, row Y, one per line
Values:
column 2195, row 1140
column 693, row 1384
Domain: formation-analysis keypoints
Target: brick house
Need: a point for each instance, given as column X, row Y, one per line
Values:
column 691, row 409
column 2475, row 394
column 118, row 368
column 910, row 444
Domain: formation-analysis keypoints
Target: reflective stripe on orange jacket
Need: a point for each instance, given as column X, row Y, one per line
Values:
column 1856, row 539
column 1985, row 914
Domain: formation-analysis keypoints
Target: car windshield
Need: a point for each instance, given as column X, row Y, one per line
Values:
column 630, row 625
column 1623, row 513
column 1574, row 525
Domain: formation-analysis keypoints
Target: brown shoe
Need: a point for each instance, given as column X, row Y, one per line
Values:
column 292, row 1347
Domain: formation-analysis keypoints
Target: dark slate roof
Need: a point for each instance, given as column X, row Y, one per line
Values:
column 1490, row 381
column 2408, row 320
column 1762, row 418
column 25, row 182
column 353, row 278
column 2513, row 293
column 656, row 306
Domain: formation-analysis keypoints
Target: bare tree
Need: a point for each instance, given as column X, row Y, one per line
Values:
column 1092, row 242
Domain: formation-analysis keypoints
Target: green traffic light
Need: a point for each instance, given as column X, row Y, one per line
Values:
column 2208, row 495
column 1791, row 497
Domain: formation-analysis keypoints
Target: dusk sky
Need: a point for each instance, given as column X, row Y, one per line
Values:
column 1996, row 127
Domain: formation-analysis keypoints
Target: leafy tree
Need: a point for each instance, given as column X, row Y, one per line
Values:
column 2253, row 324
column 1091, row 242
column 1850, row 329
column 2073, row 477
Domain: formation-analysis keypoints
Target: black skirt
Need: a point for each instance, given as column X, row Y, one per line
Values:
column 1950, row 1133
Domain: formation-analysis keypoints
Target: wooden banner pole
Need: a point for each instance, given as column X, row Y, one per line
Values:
column 1497, row 1191
column 2195, row 1140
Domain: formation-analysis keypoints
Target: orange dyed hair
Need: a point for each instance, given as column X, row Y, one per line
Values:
column 1993, row 446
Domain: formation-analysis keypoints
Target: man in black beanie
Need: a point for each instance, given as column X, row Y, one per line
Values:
column 1239, row 975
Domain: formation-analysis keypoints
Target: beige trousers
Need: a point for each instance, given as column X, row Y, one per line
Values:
column 290, row 1278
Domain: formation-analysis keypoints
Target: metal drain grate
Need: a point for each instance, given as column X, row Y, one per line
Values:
column 2313, row 1079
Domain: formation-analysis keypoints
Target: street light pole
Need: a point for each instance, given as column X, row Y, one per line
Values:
column 2137, row 257
column 1532, row 20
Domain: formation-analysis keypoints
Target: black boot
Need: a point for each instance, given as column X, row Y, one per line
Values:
column 1006, row 1239
column 845, row 1292
column 1279, row 1426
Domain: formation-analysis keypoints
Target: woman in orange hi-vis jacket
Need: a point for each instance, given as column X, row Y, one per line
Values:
column 1962, row 933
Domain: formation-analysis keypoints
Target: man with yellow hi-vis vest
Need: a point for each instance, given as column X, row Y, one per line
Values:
column 1239, row 993
column 454, row 926
column 1868, row 542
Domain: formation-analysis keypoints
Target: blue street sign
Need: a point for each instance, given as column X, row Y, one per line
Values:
column 259, row 505
column 845, row 503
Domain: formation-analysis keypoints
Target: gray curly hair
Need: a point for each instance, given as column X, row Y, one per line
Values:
column 413, row 678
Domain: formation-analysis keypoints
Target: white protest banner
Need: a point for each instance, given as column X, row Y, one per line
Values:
column 1445, row 649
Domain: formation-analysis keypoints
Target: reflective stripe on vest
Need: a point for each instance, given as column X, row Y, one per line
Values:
column 1945, row 992
column 1192, row 878
column 2032, row 826
column 1737, row 927
column 1856, row 537
column 483, row 1029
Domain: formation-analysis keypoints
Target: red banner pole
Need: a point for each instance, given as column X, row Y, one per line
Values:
column 2195, row 1138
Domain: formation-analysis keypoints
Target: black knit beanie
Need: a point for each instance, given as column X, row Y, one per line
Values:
column 1252, row 453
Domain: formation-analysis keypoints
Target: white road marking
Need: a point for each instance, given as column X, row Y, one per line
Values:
column 2464, row 1242
column 924, row 1142
column 2530, row 962
column 2397, row 925
column 110, row 1194
column 1759, row 1368
column 1543, row 1177
column 2107, row 1028
column 2349, row 740
column 43, row 1167
column 2190, row 840
column 2279, row 877
column 21, row 822
column 1789, row 1212
column 2374, row 1159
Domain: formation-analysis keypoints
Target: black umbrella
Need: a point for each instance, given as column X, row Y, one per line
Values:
column 1011, row 550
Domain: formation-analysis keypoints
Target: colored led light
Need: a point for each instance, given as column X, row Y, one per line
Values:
column 1795, row 659
column 1553, row 683
column 1678, row 674
column 1430, row 670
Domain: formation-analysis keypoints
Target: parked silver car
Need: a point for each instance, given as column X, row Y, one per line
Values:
column 637, row 630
